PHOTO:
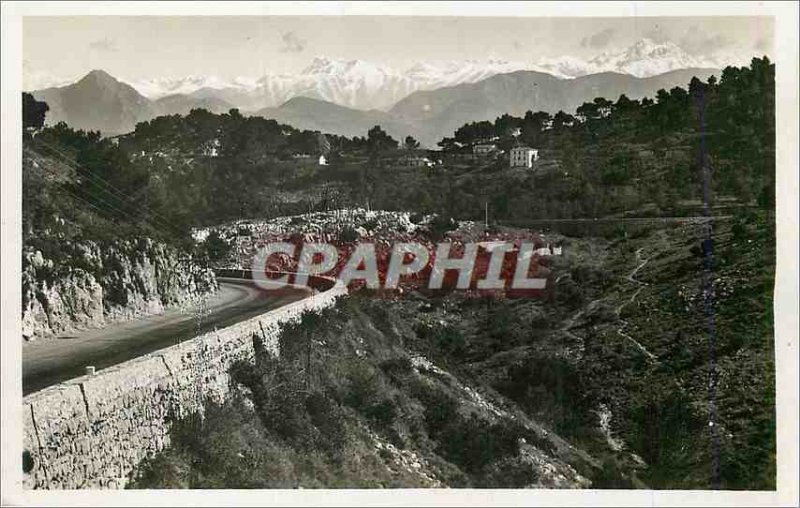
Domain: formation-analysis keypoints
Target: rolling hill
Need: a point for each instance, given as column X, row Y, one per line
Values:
column 179, row 104
column 315, row 114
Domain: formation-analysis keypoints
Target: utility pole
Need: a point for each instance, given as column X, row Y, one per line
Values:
column 486, row 215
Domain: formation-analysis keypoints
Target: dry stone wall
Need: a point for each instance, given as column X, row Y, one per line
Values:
column 92, row 432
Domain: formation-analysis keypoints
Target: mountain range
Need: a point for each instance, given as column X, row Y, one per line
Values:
column 439, row 113
column 98, row 101
column 365, row 85
column 353, row 83
column 431, row 115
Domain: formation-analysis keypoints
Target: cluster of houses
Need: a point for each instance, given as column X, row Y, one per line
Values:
column 518, row 156
column 416, row 161
column 322, row 160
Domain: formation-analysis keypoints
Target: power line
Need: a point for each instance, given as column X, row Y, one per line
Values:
column 109, row 188
column 65, row 190
column 115, row 193
column 122, row 214
column 118, row 194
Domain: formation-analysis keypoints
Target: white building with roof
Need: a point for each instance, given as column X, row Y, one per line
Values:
column 523, row 157
column 483, row 149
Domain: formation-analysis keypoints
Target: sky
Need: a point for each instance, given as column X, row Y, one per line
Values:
column 142, row 47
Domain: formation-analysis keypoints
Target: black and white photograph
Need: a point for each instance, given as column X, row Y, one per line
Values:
column 487, row 252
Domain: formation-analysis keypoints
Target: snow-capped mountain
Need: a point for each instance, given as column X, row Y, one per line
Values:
column 642, row 59
column 364, row 85
column 159, row 87
column 432, row 75
column 352, row 83
column 645, row 58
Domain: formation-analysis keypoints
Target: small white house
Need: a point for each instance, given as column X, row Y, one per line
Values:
column 484, row 149
column 523, row 157
column 416, row 162
column 323, row 161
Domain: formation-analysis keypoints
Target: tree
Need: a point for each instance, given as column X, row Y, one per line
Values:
column 33, row 111
column 587, row 111
column 217, row 248
column 539, row 120
column 507, row 125
column 603, row 106
column 475, row 132
column 410, row 143
column 625, row 106
column 561, row 120
column 447, row 144
column 378, row 141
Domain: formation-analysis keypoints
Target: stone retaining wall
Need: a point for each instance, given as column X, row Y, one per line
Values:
column 92, row 431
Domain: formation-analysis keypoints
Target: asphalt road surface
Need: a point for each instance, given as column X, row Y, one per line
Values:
column 50, row 361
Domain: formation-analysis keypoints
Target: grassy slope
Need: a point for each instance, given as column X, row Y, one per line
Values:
column 651, row 364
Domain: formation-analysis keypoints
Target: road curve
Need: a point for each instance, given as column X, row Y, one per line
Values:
column 52, row 361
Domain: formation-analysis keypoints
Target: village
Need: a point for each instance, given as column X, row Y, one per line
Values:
column 482, row 151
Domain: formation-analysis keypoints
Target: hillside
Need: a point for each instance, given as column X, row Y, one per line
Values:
column 317, row 115
column 87, row 259
column 606, row 158
column 178, row 104
column 601, row 383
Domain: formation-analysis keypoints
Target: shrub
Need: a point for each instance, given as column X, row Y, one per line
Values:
column 440, row 225
column 416, row 218
column 446, row 338
column 348, row 234
column 216, row 247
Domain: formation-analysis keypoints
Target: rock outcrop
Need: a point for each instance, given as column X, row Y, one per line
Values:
column 75, row 285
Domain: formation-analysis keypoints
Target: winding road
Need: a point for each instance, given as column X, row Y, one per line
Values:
column 50, row 361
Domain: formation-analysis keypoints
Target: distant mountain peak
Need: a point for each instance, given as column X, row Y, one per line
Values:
column 322, row 65
column 302, row 99
column 100, row 76
column 644, row 58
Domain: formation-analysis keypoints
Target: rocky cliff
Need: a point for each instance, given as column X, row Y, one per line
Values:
column 80, row 284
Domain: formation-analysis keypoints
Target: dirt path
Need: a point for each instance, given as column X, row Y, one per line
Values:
column 621, row 330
